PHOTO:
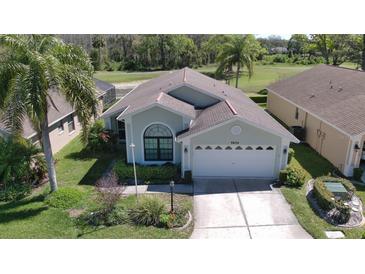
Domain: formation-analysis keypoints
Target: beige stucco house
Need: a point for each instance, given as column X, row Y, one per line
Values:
column 63, row 122
column 209, row 128
column 329, row 103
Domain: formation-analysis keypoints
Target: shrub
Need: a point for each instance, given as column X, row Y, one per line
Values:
column 99, row 138
column 291, row 154
column 147, row 173
column 117, row 216
column 295, row 177
column 109, row 192
column 167, row 220
column 188, row 177
column 64, row 198
column 148, row 211
column 15, row 191
column 322, row 195
column 22, row 165
column 326, row 199
column 283, row 175
column 358, row 173
column 99, row 217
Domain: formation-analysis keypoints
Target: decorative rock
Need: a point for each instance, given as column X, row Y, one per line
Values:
column 334, row 234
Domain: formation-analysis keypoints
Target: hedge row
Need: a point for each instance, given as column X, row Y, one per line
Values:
column 147, row 173
column 325, row 198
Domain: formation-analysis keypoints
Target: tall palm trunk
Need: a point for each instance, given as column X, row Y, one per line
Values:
column 47, row 149
column 363, row 52
column 237, row 74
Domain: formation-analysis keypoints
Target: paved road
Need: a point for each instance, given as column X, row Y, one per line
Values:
column 245, row 209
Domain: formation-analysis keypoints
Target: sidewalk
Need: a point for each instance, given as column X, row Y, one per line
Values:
column 178, row 188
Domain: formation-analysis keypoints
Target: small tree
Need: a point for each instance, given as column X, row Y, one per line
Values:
column 109, row 192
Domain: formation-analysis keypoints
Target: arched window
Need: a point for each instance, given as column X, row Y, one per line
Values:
column 218, row 148
column 269, row 148
column 238, row 148
column 198, row 148
column 259, row 148
column 228, row 148
column 249, row 148
column 158, row 144
column 208, row 148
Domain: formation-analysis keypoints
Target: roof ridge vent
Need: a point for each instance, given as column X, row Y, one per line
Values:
column 231, row 107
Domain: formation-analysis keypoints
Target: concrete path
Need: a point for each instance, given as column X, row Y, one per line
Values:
column 178, row 188
column 242, row 209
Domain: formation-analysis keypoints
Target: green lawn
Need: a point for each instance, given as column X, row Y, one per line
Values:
column 263, row 75
column 314, row 166
column 125, row 77
column 32, row 218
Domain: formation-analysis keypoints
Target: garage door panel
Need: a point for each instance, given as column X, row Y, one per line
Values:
column 249, row 161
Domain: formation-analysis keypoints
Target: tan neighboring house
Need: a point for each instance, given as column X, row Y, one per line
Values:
column 329, row 103
column 63, row 122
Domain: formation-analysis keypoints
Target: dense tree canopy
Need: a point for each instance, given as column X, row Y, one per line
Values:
column 162, row 51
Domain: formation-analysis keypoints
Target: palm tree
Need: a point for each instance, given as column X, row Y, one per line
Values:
column 239, row 51
column 30, row 66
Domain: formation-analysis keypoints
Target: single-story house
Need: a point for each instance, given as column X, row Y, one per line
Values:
column 329, row 103
column 209, row 128
column 63, row 122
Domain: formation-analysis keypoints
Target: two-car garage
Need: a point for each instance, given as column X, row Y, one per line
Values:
column 249, row 161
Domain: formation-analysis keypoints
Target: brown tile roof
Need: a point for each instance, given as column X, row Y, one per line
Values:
column 209, row 117
column 336, row 95
column 242, row 106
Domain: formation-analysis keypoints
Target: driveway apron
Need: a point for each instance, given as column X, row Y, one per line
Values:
column 242, row 209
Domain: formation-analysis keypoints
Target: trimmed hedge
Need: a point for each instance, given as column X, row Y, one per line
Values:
column 358, row 173
column 325, row 198
column 291, row 154
column 295, row 177
column 65, row 198
column 188, row 178
column 165, row 172
column 283, row 175
column 259, row 99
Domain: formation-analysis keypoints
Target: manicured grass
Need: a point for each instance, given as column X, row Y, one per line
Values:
column 32, row 218
column 314, row 165
column 124, row 77
column 263, row 75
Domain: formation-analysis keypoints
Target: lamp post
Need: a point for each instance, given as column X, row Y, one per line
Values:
column 172, row 184
column 132, row 146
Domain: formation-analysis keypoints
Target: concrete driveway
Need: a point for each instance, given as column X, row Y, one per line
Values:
column 246, row 209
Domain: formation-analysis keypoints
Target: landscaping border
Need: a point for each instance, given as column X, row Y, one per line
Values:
column 356, row 216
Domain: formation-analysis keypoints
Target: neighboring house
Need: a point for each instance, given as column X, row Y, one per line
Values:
column 63, row 122
column 210, row 128
column 329, row 102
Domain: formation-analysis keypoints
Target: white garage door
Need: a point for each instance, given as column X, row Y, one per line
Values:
column 235, row 161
